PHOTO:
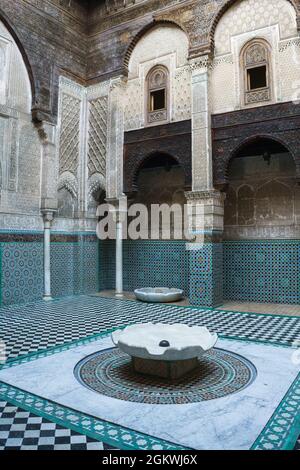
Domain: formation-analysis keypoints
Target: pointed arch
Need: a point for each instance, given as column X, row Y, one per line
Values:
column 229, row 3
column 145, row 29
column 16, row 37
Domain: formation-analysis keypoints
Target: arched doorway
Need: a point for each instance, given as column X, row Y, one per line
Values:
column 157, row 261
column 160, row 179
column 261, row 224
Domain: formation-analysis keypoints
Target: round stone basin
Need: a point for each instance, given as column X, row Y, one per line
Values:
column 158, row 294
column 168, row 351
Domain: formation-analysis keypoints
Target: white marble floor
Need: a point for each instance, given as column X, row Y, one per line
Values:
column 231, row 422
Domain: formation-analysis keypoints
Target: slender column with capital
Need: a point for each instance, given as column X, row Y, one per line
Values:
column 119, row 258
column 119, row 211
column 114, row 183
column 47, row 133
column 48, row 219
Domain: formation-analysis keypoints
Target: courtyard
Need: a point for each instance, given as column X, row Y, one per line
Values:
column 149, row 228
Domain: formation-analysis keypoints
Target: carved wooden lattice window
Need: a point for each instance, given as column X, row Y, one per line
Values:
column 257, row 77
column 157, row 95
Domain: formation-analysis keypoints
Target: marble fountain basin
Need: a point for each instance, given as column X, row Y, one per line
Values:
column 161, row 350
column 158, row 294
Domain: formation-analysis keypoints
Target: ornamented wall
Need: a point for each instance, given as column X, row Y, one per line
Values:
column 146, row 263
column 272, row 20
column 165, row 45
column 82, row 152
column 74, row 266
column 20, row 148
column 97, row 103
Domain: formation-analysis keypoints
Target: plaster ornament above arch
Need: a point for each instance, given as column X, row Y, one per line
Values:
column 261, row 11
column 144, row 31
column 158, row 40
column 15, row 85
column 18, row 71
column 163, row 44
column 255, row 53
column 251, row 15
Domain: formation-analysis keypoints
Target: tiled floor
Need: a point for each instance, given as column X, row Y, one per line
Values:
column 273, row 309
column 22, row 430
column 41, row 325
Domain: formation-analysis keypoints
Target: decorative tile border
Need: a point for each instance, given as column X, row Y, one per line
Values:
column 99, row 429
column 282, row 430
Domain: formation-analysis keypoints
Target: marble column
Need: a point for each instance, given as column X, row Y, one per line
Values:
column 48, row 219
column 47, row 133
column 119, row 258
column 119, row 211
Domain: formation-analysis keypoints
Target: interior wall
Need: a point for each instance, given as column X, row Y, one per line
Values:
column 160, row 186
column 263, row 199
column 146, row 263
column 74, row 266
column 20, row 148
column 262, row 231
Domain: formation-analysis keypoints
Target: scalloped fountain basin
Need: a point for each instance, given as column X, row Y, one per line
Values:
column 158, row 294
column 168, row 351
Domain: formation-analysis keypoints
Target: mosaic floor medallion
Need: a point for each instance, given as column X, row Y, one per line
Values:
column 220, row 373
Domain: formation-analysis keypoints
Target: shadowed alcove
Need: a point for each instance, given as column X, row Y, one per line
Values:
column 261, row 223
column 160, row 180
column 263, row 193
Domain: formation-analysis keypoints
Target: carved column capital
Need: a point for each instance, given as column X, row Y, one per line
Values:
column 48, row 216
column 118, row 83
column 206, row 197
column 200, row 64
column 205, row 211
column 47, row 132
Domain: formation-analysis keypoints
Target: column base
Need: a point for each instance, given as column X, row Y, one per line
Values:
column 47, row 298
column 119, row 296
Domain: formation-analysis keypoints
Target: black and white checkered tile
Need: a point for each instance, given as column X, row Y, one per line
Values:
column 38, row 326
column 22, row 430
column 33, row 327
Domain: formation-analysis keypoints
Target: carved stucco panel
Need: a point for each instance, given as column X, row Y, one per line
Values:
column 97, row 135
column 69, row 133
column 272, row 20
column 167, row 46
